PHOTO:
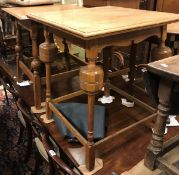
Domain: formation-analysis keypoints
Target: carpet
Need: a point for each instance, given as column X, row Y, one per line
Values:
column 12, row 154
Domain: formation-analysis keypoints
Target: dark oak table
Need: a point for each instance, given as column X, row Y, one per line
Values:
column 167, row 73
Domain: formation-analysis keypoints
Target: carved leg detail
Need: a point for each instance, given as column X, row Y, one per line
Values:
column 90, row 151
column 35, row 64
column 156, row 145
column 47, row 53
column 91, row 81
column 48, row 89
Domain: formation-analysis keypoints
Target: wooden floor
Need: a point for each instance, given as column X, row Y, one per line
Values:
column 120, row 154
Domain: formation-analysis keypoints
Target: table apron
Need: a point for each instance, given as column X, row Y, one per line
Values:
column 121, row 39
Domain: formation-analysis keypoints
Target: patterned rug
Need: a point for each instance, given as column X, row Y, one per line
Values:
column 12, row 154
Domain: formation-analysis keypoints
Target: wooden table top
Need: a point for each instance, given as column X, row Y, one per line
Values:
column 22, row 12
column 167, row 67
column 173, row 28
column 89, row 22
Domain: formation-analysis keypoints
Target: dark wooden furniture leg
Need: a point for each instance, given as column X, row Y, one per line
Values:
column 91, row 81
column 132, row 62
column 107, row 55
column 35, row 64
column 156, row 144
column 66, row 55
column 162, row 155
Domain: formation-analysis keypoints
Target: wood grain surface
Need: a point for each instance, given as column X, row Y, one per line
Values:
column 88, row 22
column 22, row 12
column 167, row 67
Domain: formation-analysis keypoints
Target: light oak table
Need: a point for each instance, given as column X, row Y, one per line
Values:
column 35, row 29
column 96, row 29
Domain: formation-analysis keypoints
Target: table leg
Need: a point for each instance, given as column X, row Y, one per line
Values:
column 107, row 56
column 18, row 50
column 90, row 151
column 132, row 62
column 161, row 51
column 156, row 144
column 48, row 89
column 35, row 64
column 66, row 55
column 91, row 81
column 47, row 53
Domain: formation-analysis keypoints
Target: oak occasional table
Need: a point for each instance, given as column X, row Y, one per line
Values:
column 96, row 29
column 35, row 29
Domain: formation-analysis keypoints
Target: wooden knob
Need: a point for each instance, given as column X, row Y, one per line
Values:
column 35, row 64
column 91, row 78
column 47, row 52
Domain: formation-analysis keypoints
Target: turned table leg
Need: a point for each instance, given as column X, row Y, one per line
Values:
column 161, row 51
column 91, row 81
column 156, row 144
column 132, row 62
column 107, row 56
column 107, row 60
column 90, row 151
column 66, row 55
column 18, row 50
column 35, row 64
column 47, row 53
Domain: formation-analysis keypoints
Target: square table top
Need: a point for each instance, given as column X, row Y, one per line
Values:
column 22, row 12
column 107, row 20
column 167, row 67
